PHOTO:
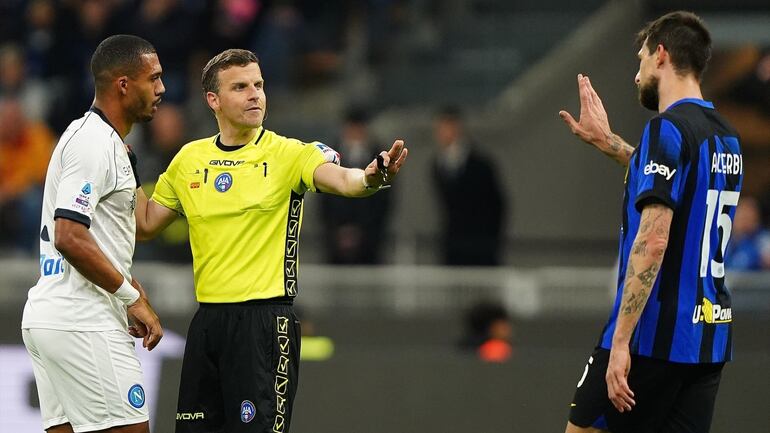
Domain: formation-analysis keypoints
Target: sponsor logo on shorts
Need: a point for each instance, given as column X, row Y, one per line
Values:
column 711, row 313
column 86, row 189
column 655, row 168
column 136, row 396
column 190, row 416
column 247, row 411
column 223, row 182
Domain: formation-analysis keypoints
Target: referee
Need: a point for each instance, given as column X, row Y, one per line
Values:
column 659, row 359
column 241, row 192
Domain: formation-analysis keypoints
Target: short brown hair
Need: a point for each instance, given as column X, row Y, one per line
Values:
column 222, row 61
column 684, row 35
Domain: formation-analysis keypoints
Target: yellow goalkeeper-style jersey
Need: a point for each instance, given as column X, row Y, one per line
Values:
column 244, row 209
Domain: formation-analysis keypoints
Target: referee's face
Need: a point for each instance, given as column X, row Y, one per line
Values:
column 241, row 98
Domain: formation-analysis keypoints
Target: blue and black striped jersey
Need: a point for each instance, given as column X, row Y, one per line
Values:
column 689, row 159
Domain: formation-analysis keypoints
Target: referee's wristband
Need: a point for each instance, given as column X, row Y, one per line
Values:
column 127, row 294
column 368, row 187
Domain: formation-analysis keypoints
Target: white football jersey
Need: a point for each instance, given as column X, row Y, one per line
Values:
column 89, row 180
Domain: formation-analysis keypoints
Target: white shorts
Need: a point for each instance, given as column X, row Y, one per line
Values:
column 91, row 380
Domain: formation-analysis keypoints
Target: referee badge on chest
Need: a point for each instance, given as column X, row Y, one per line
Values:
column 223, row 182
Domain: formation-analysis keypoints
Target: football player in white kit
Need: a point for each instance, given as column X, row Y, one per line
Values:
column 75, row 324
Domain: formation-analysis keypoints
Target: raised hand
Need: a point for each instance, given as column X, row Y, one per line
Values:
column 593, row 127
column 383, row 169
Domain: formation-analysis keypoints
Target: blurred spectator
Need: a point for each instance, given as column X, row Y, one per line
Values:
column 277, row 43
column 749, row 246
column 25, row 148
column 40, row 40
column 740, row 83
column 354, row 227
column 165, row 138
column 472, row 203
column 170, row 27
column 488, row 332
column 81, row 25
column 14, row 83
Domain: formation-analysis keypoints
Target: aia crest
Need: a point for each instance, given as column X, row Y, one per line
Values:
column 223, row 182
column 247, row 411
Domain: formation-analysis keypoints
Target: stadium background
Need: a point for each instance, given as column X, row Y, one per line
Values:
column 510, row 66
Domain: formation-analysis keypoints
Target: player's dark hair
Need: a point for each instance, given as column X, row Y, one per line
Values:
column 222, row 61
column 118, row 55
column 684, row 35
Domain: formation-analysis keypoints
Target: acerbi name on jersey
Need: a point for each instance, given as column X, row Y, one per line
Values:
column 726, row 163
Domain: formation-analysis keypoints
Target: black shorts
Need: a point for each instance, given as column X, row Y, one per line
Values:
column 240, row 368
column 670, row 397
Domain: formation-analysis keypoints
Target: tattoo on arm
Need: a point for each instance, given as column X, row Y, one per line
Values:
column 647, row 277
column 634, row 302
column 640, row 248
column 615, row 143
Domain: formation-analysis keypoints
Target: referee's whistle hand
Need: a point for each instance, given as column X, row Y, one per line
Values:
column 392, row 160
column 147, row 321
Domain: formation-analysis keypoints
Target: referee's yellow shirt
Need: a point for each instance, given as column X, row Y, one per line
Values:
column 244, row 209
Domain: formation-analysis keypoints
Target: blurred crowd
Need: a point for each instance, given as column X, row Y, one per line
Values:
column 45, row 48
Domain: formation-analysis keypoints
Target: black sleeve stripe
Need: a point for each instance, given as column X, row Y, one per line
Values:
column 653, row 196
column 72, row 215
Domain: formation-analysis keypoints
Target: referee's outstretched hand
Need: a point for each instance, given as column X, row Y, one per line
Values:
column 144, row 322
column 383, row 169
column 593, row 127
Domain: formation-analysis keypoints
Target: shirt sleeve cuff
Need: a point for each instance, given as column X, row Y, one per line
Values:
column 652, row 196
column 72, row 215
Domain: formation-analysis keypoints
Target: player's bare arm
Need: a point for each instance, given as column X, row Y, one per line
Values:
column 593, row 127
column 354, row 182
column 151, row 217
column 75, row 243
column 642, row 271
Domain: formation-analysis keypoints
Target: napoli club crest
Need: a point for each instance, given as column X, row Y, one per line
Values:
column 247, row 411
column 136, row 396
column 223, row 182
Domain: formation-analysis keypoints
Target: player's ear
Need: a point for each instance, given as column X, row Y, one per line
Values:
column 122, row 85
column 661, row 55
column 213, row 100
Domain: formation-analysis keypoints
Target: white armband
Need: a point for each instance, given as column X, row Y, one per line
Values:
column 127, row 294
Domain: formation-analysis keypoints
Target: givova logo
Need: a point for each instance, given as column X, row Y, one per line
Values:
column 711, row 313
column 655, row 168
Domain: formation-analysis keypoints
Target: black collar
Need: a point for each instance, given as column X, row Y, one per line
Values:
column 221, row 146
column 100, row 113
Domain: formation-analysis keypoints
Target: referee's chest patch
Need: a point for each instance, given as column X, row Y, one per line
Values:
column 223, row 182
column 136, row 396
column 247, row 411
